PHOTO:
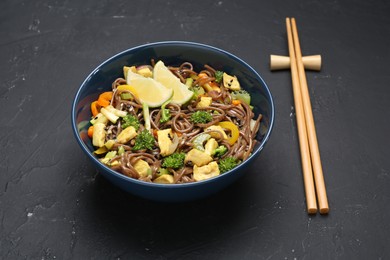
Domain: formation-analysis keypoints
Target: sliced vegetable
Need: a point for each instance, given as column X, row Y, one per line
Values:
column 199, row 140
column 165, row 113
column 109, row 115
column 202, row 75
column 126, row 70
column 162, row 171
column 234, row 131
column 181, row 93
column 241, row 95
column 126, row 96
column 128, row 88
column 90, row 131
column 101, row 150
column 236, row 102
column 148, row 90
column 99, row 134
column 121, row 150
column 95, row 108
column 197, row 91
column 217, row 131
column 189, row 82
column 104, row 99
column 115, row 111
column 109, row 144
column 110, row 154
column 207, row 87
column 145, row 110
column 99, row 118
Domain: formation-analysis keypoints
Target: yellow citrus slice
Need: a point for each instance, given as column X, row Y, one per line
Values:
column 148, row 90
column 128, row 88
column 181, row 93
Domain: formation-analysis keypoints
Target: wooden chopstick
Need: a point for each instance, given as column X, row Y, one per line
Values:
column 310, row 126
column 301, row 125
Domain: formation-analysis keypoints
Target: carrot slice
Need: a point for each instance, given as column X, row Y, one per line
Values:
column 236, row 102
column 202, row 75
column 95, row 108
column 105, row 99
column 90, row 131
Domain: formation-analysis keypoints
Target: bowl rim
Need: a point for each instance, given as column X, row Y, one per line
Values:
column 179, row 185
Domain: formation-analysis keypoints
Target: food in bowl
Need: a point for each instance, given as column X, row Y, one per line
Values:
column 171, row 124
column 100, row 79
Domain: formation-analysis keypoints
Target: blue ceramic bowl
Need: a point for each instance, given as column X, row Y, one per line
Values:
column 172, row 53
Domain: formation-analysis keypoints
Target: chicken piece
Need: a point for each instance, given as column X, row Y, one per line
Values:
column 197, row 157
column 206, row 172
column 126, row 135
column 231, row 82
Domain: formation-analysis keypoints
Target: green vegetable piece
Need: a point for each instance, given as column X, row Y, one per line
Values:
column 175, row 161
column 162, row 171
column 189, row 82
column 199, row 140
column 218, row 76
column 130, row 120
column 110, row 154
column 221, row 150
column 197, row 91
column 105, row 160
column 83, row 125
column 110, row 115
column 144, row 140
column 115, row 111
column 227, row 164
column 126, row 96
column 121, row 150
column 146, row 115
column 109, row 144
column 242, row 95
column 201, row 117
column 165, row 113
column 99, row 118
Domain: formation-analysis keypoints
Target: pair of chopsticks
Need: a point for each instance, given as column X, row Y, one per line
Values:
column 310, row 155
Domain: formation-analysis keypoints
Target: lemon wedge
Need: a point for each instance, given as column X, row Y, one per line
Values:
column 148, row 90
column 181, row 93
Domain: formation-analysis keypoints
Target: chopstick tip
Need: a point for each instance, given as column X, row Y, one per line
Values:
column 324, row 211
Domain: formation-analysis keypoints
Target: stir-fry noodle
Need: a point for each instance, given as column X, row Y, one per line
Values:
column 205, row 131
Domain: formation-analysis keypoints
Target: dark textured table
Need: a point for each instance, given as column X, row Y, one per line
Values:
column 54, row 205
